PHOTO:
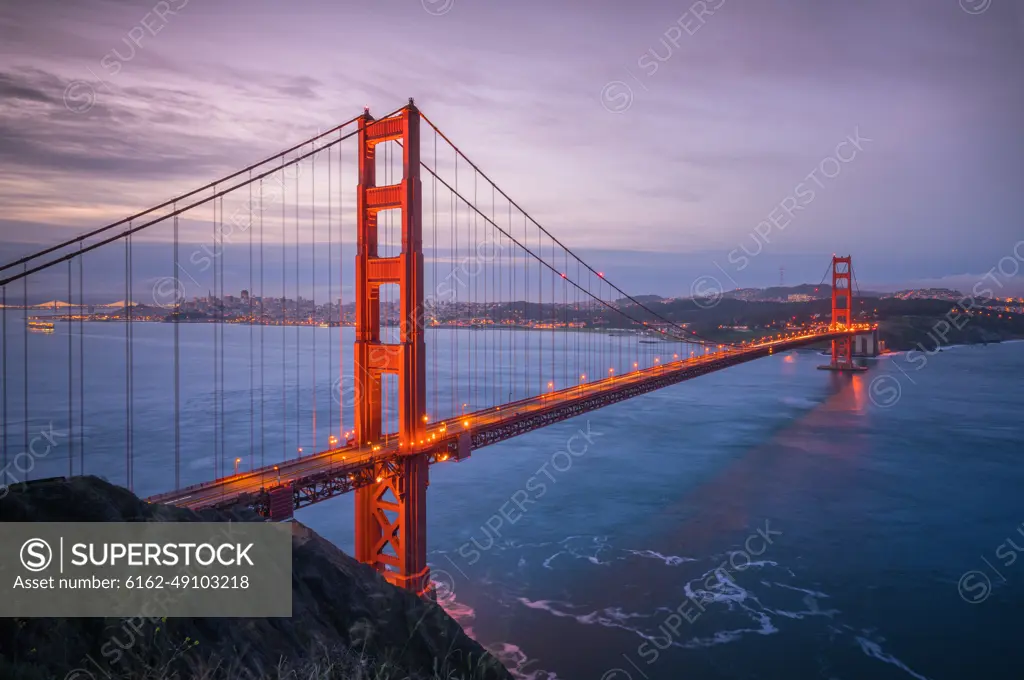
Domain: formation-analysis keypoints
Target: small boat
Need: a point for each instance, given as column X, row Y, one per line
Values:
column 41, row 326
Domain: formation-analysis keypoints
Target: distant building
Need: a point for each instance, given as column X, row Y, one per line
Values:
column 929, row 294
column 799, row 297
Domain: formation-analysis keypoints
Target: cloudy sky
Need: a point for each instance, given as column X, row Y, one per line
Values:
column 664, row 139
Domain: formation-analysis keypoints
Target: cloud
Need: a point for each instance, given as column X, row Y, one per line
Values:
column 728, row 125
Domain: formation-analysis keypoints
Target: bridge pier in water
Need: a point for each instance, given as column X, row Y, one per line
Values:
column 390, row 513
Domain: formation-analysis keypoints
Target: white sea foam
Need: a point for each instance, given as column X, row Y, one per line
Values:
column 518, row 662
column 714, row 588
column 810, row 599
column 582, row 550
column 873, row 650
column 722, row 637
column 548, row 561
column 813, row 593
column 511, row 656
column 611, row 617
column 669, row 560
column 462, row 613
column 798, row 402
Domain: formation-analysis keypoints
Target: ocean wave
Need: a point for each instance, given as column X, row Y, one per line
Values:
column 722, row 637
column 589, row 552
column 669, row 560
column 509, row 655
column 517, row 662
column 874, row 650
column 548, row 561
column 812, row 593
column 610, row 617
column 727, row 601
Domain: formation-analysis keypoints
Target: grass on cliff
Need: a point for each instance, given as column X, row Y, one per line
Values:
column 321, row 666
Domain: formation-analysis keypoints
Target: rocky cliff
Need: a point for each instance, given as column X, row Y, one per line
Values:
column 347, row 621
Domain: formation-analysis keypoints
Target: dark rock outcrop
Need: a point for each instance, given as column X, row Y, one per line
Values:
column 347, row 621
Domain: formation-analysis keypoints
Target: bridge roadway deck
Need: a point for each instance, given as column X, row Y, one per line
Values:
column 327, row 474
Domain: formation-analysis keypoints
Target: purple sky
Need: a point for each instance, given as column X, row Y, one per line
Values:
column 653, row 135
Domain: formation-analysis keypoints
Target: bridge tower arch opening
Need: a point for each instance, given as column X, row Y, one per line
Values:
column 390, row 514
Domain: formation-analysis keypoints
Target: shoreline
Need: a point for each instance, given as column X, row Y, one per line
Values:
column 484, row 327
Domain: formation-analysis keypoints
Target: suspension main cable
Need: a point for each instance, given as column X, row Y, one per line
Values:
column 539, row 226
column 176, row 199
column 178, row 211
column 543, row 261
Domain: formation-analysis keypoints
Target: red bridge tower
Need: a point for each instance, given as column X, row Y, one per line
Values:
column 842, row 315
column 842, row 311
column 390, row 514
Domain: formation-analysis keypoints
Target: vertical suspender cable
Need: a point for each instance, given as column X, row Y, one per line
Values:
column 24, row 302
column 284, row 319
column 565, row 313
column 71, row 421
column 577, row 314
column 298, row 323
column 489, row 301
column 330, row 295
column 127, row 377
column 341, row 294
column 513, row 309
column 81, row 360
column 312, row 269
column 177, row 361
column 474, row 351
column 528, row 316
column 433, row 256
column 456, row 367
column 220, row 325
column 252, row 363
column 263, row 326
column 215, row 303
column 4, row 350
column 131, row 357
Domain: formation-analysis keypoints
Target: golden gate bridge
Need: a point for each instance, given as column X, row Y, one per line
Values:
column 423, row 212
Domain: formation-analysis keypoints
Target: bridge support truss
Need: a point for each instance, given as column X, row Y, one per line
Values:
column 390, row 514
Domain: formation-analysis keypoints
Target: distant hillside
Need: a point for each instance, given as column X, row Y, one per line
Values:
column 772, row 293
column 903, row 324
column 779, row 292
column 645, row 299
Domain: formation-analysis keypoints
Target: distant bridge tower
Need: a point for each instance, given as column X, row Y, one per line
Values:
column 842, row 314
column 390, row 514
